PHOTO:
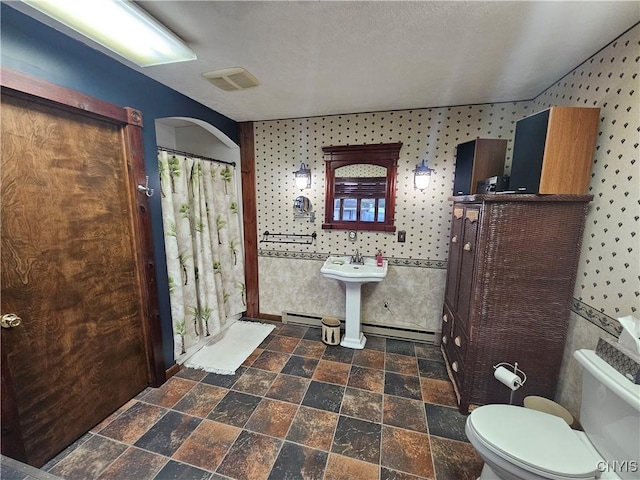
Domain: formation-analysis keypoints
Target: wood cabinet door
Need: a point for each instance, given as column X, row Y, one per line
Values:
column 467, row 263
column 70, row 271
column 455, row 245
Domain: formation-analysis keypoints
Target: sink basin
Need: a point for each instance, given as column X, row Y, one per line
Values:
column 339, row 268
column 353, row 276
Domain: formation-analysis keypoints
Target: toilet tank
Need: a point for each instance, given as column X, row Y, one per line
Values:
column 610, row 415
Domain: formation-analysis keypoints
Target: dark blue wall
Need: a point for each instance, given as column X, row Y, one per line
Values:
column 31, row 47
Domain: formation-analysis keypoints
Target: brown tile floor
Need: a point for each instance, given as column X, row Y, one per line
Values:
column 297, row 409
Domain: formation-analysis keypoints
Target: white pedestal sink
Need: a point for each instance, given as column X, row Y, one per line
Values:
column 353, row 276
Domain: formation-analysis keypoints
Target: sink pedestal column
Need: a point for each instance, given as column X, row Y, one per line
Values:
column 353, row 337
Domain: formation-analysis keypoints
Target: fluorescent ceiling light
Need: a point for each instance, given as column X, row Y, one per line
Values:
column 119, row 26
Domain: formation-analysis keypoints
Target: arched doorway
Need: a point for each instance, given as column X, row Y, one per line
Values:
column 194, row 137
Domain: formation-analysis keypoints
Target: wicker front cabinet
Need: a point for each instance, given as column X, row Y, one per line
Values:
column 510, row 280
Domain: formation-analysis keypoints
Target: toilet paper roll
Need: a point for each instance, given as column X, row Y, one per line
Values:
column 507, row 378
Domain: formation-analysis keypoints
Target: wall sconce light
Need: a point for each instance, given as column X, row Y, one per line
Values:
column 421, row 176
column 303, row 177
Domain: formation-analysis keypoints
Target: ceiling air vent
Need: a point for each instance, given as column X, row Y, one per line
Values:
column 232, row 79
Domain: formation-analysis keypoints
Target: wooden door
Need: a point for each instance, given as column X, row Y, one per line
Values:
column 72, row 271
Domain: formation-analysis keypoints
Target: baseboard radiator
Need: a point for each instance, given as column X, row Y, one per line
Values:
column 367, row 328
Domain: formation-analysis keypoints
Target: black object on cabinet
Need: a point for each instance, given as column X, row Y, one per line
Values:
column 553, row 151
column 476, row 160
column 528, row 152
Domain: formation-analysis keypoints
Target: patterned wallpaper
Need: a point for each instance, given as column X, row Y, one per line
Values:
column 361, row 170
column 281, row 146
column 608, row 281
column 609, row 271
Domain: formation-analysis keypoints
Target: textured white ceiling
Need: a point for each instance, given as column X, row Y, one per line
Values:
column 322, row 57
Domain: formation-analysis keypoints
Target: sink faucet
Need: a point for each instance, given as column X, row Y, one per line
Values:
column 357, row 258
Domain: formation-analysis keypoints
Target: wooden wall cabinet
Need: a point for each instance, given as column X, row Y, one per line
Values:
column 511, row 275
column 553, row 151
column 476, row 160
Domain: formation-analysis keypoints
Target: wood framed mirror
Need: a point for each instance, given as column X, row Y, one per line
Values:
column 360, row 186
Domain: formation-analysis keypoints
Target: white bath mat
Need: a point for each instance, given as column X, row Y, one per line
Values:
column 232, row 347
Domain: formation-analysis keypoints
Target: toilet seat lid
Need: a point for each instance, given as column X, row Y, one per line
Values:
column 534, row 440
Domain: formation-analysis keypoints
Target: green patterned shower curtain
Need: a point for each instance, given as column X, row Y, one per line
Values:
column 203, row 246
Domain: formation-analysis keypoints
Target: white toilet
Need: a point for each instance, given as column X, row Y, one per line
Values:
column 521, row 444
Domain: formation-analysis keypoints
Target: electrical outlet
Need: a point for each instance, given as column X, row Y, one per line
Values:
column 402, row 236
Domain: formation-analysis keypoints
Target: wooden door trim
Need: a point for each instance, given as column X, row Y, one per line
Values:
column 148, row 292
column 40, row 89
column 130, row 119
column 250, row 216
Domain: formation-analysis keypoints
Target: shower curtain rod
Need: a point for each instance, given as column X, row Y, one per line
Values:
column 193, row 155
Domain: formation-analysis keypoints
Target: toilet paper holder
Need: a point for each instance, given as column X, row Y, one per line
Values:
column 520, row 380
